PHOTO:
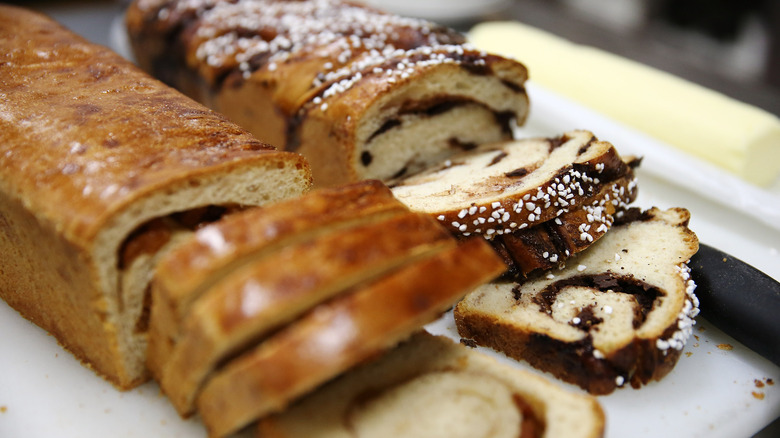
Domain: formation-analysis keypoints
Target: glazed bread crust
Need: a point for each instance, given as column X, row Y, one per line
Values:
column 360, row 93
column 92, row 148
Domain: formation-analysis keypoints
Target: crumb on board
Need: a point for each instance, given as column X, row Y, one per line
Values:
column 468, row 342
column 3, row 409
column 726, row 347
column 758, row 395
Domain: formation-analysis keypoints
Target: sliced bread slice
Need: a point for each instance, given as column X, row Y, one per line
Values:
column 430, row 386
column 550, row 243
column 503, row 187
column 618, row 313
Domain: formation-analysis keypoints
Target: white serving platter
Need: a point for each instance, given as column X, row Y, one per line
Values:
column 719, row 388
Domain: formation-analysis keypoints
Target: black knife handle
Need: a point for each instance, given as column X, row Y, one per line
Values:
column 739, row 299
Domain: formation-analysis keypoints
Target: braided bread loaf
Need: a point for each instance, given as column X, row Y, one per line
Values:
column 362, row 94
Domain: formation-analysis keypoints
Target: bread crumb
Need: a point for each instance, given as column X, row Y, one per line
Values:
column 759, row 383
column 3, row 409
column 468, row 342
column 726, row 347
column 758, row 395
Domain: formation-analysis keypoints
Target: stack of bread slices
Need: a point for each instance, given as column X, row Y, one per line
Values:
column 265, row 305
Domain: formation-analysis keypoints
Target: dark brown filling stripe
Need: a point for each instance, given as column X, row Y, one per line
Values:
column 644, row 294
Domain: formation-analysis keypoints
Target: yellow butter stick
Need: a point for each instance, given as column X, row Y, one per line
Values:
column 738, row 137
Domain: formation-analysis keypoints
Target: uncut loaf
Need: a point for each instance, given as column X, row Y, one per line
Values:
column 103, row 167
column 362, row 94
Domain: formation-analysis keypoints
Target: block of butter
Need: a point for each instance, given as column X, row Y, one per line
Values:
column 738, row 137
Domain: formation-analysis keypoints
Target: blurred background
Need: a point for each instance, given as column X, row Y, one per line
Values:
column 726, row 45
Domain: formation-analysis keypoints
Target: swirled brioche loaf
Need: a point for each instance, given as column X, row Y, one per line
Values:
column 360, row 93
column 430, row 386
column 539, row 201
column 99, row 164
column 619, row 312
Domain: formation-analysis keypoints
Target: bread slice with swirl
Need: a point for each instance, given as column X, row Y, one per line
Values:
column 549, row 244
column 619, row 312
column 538, row 201
column 430, row 386
column 361, row 93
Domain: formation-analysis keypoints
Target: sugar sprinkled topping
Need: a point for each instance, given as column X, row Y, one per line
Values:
column 350, row 40
column 560, row 195
column 685, row 319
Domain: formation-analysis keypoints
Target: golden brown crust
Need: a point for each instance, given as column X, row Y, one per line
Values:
column 340, row 334
column 91, row 148
column 116, row 134
column 55, row 299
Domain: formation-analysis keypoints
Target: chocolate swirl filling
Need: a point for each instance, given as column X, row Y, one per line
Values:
column 644, row 294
